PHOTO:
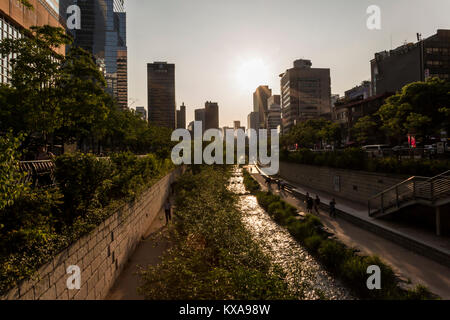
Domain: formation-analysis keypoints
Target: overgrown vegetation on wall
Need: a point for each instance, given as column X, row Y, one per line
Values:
column 357, row 159
column 36, row 224
column 343, row 262
column 213, row 256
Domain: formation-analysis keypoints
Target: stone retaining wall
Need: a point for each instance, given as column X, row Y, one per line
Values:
column 358, row 186
column 102, row 254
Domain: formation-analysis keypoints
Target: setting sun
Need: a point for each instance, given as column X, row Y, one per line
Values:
column 251, row 73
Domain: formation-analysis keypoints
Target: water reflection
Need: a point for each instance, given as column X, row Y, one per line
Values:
column 304, row 274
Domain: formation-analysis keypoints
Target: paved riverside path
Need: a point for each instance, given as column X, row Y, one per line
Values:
column 148, row 252
column 407, row 264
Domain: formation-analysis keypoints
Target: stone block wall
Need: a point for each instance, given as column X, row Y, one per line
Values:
column 358, row 186
column 101, row 255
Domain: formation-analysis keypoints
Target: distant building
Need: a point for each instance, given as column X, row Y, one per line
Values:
column 211, row 115
column 392, row 70
column 273, row 119
column 181, row 117
column 349, row 112
column 253, row 121
column 161, row 94
column 334, row 99
column 142, row 112
column 260, row 97
column 361, row 92
column 305, row 93
column 200, row 116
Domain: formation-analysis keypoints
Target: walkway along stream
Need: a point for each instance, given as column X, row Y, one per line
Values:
column 304, row 274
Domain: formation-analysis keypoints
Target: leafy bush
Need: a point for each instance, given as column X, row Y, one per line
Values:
column 333, row 254
column 12, row 185
column 313, row 243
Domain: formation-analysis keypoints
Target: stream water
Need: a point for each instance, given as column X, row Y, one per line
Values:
column 304, row 274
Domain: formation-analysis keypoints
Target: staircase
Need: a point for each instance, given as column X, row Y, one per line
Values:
column 433, row 192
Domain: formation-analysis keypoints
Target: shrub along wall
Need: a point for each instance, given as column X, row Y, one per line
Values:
column 102, row 254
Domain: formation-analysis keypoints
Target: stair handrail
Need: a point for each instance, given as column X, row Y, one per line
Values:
column 398, row 185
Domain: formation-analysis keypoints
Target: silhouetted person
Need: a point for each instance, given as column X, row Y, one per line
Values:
column 333, row 208
column 309, row 203
column 279, row 184
column 317, row 204
column 168, row 210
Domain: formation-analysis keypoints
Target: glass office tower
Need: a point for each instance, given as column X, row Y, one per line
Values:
column 103, row 33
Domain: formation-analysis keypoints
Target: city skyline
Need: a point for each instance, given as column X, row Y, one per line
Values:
column 236, row 39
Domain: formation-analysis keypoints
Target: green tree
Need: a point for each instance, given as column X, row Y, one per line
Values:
column 419, row 109
column 32, row 98
column 363, row 129
column 83, row 100
column 12, row 183
column 311, row 133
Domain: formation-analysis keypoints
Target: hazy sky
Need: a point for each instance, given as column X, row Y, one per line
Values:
column 224, row 49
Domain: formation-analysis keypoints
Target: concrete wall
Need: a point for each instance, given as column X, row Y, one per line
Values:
column 101, row 255
column 354, row 185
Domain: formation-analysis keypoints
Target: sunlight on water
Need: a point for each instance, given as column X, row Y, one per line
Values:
column 303, row 273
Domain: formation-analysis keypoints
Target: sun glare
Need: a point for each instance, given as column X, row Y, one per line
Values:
column 252, row 73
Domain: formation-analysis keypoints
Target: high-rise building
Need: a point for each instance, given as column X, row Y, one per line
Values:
column 273, row 119
column 392, row 70
column 200, row 116
column 15, row 19
column 305, row 93
column 142, row 112
column 181, row 117
column 161, row 94
column 211, row 115
column 260, row 97
column 103, row 34
column 253, row 121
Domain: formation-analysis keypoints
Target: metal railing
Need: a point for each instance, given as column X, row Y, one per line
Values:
column 39, row 173
column 415, row 189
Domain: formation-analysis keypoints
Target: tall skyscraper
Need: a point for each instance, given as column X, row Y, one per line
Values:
column 181, row 117
column 253, row 121
column 305, row 93
column 15, row 19
column 103, row 34
column 211, row 115
column 161, row 94
column 200, row 116
column 273, row 119
column 260, row 97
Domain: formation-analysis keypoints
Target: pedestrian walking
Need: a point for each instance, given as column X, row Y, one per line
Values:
column 279, row 184
column 333, row 208
column 168, row 210
column 317, row 204
column 309, row 203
